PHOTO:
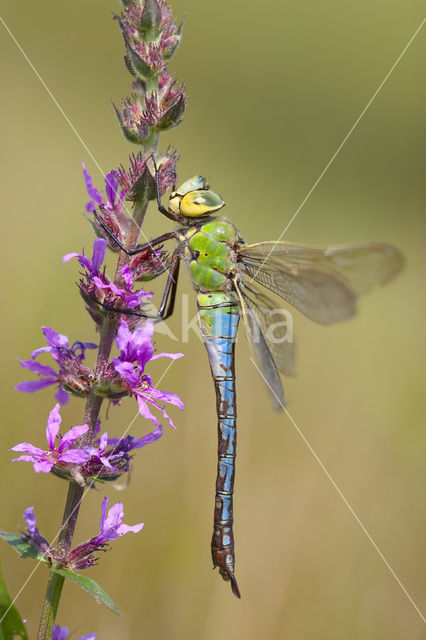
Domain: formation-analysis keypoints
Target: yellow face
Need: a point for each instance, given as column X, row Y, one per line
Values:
column 199, row 203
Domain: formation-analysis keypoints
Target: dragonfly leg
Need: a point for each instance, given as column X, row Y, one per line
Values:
column 140, row 247
column 167, row 304
column 161, row 208
column 166, row 307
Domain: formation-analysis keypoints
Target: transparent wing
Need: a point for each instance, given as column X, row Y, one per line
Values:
column 322, row 282
column 261, row 351
column 276, row 325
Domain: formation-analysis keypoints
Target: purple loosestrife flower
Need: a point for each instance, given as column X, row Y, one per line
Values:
column 63, row 455
column 129, row 298
column 110, row 451
column 94, row 264
column 72, row 374
column 111, row 211
column 145, row 57
column 138, row 182
column 111, row 527
column 136, row 351
column 33, row 535
column 157, row 110
column 128, row 443
column 165, row 108
column 62, row 633
column 114, row 199
column 100, row 454
column 110, row 457
column 98, row 285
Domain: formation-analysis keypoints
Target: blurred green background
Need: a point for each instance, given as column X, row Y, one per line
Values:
column 274, row 88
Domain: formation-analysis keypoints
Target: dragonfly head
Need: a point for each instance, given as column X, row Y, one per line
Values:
column 194, row 199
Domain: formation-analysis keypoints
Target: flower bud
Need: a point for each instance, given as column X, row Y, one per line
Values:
column 172, row 116
column 151, row 16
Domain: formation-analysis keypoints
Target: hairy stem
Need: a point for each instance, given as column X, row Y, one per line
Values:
column 50, row 605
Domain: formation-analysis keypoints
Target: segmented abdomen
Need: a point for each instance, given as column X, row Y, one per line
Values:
column 219, row 317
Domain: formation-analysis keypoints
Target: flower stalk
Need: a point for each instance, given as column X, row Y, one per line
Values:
column 91, row 415
column 151, row 37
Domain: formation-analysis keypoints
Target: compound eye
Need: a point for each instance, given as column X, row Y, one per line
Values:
column 200, row 203
column 197, row 182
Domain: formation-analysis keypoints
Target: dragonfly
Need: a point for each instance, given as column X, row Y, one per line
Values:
column 322, row 282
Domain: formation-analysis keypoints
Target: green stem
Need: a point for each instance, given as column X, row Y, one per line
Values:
column 50, row 605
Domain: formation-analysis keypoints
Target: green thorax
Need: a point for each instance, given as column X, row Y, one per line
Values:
column 212, row 254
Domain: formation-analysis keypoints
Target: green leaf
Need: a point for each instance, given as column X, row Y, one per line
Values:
column 90, row 586
column 11, row 625
column 23, row 547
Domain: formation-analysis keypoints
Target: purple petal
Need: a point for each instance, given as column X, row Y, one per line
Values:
column 125, row 528
column 42, row 466
column 108, row 285
column 79, row 348
column 144, row 355
column 38, row 368
column 59, row 633
column 91, row 190
column 111, row 188
column 33, row 385
column 120, row 198
column 52, row 428
column 104, row 507
column 137, row 345
column 103, row 441
column 89, row 345
column 91, row 206
column 30, row 519
column 114, row 517
column 71, row 436
column 90, row 636
column 124, row 337
column 112, row 525
column 92, row 451
column 68, row 256
column 24, row 459
column 143, row 333
column 62, row 396
column 148, row 439
column 149, row 398
column 74, row 456
column 133, row 300
column 165, row 414
column 127, row 274
column 126, row 371
column 99, row 250
column 106, row 463
column 27, row 447
column 145, row 412
column 36, row 352
column 173, row 356
column 166, row 396
column 54, row 339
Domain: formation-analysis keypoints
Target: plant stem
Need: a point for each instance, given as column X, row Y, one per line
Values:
column 50, row 605
column 91, row 414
